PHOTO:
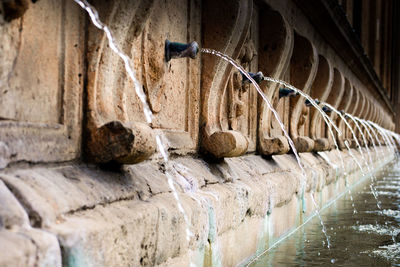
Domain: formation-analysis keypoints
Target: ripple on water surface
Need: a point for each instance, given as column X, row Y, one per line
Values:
column 371, row 237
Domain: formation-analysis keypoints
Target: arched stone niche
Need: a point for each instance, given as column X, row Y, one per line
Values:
column 320, row 90
column 275, row 50
column 303, row 68
column 116, row 127
column 344, row 106
column 226, row 27
column 334, row 100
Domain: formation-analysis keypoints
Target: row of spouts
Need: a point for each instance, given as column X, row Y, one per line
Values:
column 179, row 50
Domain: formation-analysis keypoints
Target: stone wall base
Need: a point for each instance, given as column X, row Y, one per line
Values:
column 80, row 215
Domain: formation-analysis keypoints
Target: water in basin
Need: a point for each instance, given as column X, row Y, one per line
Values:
column 370, row 237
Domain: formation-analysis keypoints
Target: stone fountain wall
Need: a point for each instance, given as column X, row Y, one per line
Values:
column 68, row 109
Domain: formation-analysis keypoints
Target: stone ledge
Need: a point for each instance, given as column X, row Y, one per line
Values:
column 131, row 218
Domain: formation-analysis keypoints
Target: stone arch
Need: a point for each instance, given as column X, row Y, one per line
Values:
column 320, row 90
column 276, row 47
column 303, row 68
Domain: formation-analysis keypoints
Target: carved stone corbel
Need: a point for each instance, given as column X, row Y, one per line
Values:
column 111, row 137
column 352, row 108
column 320, row 90
column 226, row 32
column 303, row 68
column 276, row 45
column 363, row 128
column 344, row 106
column 117, row 129
column 357, row 113
column 334, row 99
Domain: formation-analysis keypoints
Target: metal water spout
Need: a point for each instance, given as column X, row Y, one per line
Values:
column 180, row 50
column 326, row 109
column 309, row 104
column 258, row 77
column 286, row 92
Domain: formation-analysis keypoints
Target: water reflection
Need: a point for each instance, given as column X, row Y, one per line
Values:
column 369, row 238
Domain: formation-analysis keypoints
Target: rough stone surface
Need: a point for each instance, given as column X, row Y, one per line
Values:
column 26, row 246
column 108, row 218
column 63, row 91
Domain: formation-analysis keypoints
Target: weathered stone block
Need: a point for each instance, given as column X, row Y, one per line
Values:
column 11, row 212
column 29, row 247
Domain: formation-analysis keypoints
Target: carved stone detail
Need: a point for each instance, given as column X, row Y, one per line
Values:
column 303, row 68
column 115, row 114
column 334, row 99
column 357, row 113
column 320, row 90
column 344, row 106
column 225, row 32
column 276, row 46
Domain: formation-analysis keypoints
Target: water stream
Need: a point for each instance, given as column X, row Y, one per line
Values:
column 276, row 115
column 363, row 239
column 170, row 169
column 369, row 133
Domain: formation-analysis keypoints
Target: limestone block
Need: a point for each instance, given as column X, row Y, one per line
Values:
column 48, row 193
column 199, row 170
column 227, row 242
column 16, row 250
column 131, row 232
column 29, row 247
column 264, row 166
column 11, row 212
column 41, row 82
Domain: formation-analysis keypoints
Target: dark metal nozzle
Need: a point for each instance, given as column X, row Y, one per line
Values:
column 179, row 50
column 309, row 104
column 326, row 109
column 286, row 92
column 258, row 77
